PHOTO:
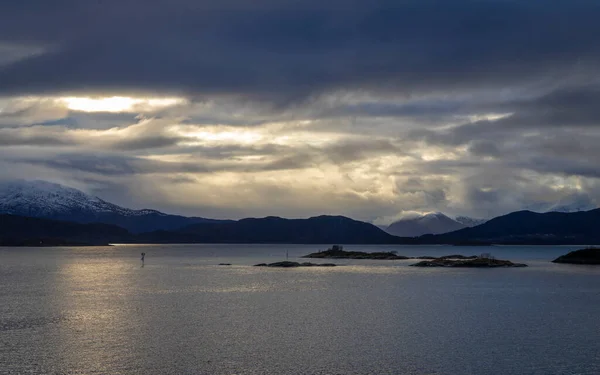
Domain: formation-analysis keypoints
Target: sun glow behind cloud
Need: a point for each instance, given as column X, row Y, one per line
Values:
column 224, row 137
column 208, row 154
column 118, row 103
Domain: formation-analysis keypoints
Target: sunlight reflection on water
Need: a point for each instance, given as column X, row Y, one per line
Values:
column 96, row 310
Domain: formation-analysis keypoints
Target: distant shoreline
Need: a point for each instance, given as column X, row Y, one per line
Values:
column 58, row 244
column 116, row 244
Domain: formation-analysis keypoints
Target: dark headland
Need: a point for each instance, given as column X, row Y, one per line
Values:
column 584, row 256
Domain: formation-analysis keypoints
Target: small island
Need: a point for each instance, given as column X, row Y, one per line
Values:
column 590, row 255
column 454, row 256
column 288, row 264
column 337, row 252
column 483, row 261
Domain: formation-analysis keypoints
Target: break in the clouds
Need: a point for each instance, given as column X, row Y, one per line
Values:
column 370, row 109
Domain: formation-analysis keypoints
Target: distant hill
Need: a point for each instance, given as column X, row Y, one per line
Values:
column 432, row 223
column 53, row 201
column 523, row 227
column 19, row 230
column 526, row 227
column 315, row 230
column 29, row 231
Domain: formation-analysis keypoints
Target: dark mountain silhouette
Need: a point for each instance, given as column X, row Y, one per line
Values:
column 523, row 227
column 30, row 231
column 320, row 229
column 526, row 227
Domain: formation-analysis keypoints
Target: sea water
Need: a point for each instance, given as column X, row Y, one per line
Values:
column 98, row 310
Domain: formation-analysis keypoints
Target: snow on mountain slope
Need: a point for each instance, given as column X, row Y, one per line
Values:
column 42, row 198
column 432, row 223
column 571, row 203
column 571, row 207
column 53, row 201
column 469, row 221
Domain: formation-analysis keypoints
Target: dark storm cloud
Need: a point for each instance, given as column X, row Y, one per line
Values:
column 560, row 166
column 112, row 165
column 398, row 101
column 119, row 165
column 418, row 109
column 283, row 51
column 145, row 142
column 484, row 148
column 551, row 152
column 99, row 165
column 201, row 160
column 17, row 139
column 99, row 120
column 62, row 136
column 348, row 151
column 574, row 108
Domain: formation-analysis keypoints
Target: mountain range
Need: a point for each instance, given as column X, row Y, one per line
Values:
column 30, row 231
column 439, row 223
column 43, row 213
column 315, row 230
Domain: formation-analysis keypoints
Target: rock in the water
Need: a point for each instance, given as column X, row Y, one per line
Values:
column 288, row 264
column 285, row 264
column 583, row 256
column 224, row 264
column 468, row 262
column 454, row 256
column 458, row 256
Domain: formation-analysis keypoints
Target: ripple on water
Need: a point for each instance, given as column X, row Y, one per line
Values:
column 78, row 311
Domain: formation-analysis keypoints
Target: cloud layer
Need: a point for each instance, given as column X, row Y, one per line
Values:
column 367, row 109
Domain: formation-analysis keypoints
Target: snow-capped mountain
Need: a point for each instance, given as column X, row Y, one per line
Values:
column 42, row 198
column 572, row 203
column 49, row 200
column 432, row 223
column 469, row 221
column 576, row 207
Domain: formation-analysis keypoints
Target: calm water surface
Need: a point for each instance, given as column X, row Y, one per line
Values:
column 97, row 311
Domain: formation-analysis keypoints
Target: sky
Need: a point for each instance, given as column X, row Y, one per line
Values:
column 369, row 109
